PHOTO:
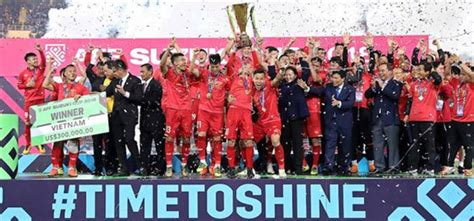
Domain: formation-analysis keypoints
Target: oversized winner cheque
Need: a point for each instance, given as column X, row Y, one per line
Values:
column 67, row 119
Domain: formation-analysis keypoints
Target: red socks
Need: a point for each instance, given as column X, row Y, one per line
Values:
column 316, row 151
column 249, row 157
column 73, row 159
column 57, row 154
column 169, row 148
column 280, row 157
column 27, row 136
column 185, row 152
column 269, row 152
column 201, row 146
column 216, row 152
column 231, row 156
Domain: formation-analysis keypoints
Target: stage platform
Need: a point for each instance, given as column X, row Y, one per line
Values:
column 88, row 197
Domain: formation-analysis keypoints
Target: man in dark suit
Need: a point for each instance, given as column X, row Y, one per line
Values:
column 152, row 121
column 339, row 99
column 96, row 79
column 127, row 92
column 385, row 118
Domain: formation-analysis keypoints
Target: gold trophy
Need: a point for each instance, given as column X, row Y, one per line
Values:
column 238, row 16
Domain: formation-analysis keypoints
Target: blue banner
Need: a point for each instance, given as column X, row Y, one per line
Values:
column 152, row 199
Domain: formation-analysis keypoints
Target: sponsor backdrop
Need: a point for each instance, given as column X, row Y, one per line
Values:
column 137, row 52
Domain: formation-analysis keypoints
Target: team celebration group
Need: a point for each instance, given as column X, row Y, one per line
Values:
column 404, row 114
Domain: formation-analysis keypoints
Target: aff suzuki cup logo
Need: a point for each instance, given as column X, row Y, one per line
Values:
column 56, row 52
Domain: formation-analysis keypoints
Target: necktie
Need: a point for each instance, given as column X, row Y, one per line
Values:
column 338, row 91
column 144, row 87
column 120, row 82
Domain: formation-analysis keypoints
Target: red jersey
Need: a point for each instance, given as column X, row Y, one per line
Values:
column 53, row 96
column 195, row 84
column 363, row 85
column 444, row 103
column 266, row 101
column 68, row 90
column 241, row 90
column 402, row 102
column 217, row 85
column 463, row 101
column 36, row 92
column 234, row 64
column 324, row 77
column 314, row 103
column 410, row 79
column 424, row 94
column 325, row 66
column 178, row 90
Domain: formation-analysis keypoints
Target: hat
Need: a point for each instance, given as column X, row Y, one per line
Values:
column 215, row 59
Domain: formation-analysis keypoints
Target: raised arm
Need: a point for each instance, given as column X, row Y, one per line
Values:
column 47, row 84
column 228, row 47
column 313, row 44
column 258, row 54
column 192, row 68
column 82, row 71
column 369, row 43
column 176, row 46
column 122, row 56
column 230, row 65
column 392, row 46
column 163, row 66
column 439, row 50
column 346, row 41
column 414, row 56
column 468, row 71
column 290, row 43
column 100, row 55
column 42, row 65
column 277, row 80
column 87, row 58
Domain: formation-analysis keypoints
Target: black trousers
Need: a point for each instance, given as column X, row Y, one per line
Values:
column 98, row 141
column 423, row 136
column 405, row 142
column 292, row 139
column 124, row 134
column 442, row 144
column 260, row 165
column 146, row 139
column 461, row 134
column 111, row 161
column 361, row 134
